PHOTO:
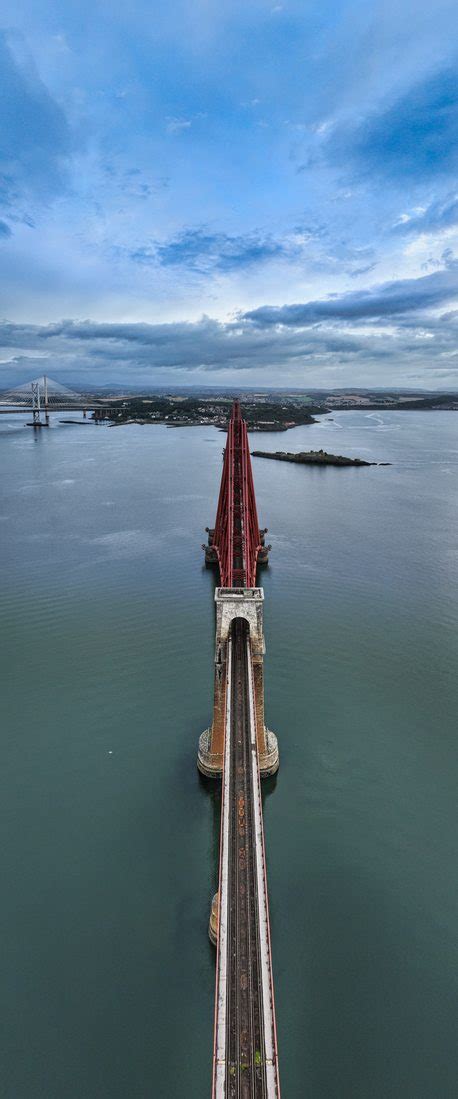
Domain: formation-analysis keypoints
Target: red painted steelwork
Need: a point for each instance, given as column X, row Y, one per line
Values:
column 237, row 538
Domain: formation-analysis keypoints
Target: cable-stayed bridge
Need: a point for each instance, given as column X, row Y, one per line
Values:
column 42, row 396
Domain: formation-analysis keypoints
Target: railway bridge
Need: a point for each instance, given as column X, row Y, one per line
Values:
column 239, row 747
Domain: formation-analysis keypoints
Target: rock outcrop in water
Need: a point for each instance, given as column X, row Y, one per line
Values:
column 312, row 457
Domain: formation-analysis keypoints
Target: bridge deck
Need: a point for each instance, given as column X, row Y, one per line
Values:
column 25, row 410
column 245, row 1052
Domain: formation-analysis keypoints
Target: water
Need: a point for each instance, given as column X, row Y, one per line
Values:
column 108, row 856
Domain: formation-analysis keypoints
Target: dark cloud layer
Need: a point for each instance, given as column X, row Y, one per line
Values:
column 204, row 344
column 383, row 302
column 312, row 339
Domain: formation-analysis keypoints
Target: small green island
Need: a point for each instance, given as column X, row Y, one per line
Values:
column 314, row 458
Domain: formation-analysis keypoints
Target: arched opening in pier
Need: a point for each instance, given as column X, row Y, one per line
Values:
column 242, row 618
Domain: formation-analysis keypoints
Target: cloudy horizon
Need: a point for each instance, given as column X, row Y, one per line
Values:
column 230, row 194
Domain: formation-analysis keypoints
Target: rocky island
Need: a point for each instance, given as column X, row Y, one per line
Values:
column 314, row 458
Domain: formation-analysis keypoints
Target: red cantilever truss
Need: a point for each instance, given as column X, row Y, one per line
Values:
column 236, row 539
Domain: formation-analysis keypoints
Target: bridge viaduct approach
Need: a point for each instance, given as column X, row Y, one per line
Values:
column 240, row 747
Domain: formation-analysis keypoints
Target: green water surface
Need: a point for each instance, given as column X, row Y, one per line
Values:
column 109, row 836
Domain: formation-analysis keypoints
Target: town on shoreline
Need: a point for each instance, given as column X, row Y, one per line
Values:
column 264, row 410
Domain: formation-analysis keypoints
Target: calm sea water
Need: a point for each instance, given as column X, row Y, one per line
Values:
column 109, row 837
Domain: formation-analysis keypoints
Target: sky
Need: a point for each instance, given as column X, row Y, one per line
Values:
column 229, row 193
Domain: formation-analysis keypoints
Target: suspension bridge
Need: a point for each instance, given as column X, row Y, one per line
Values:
column 44, row 395
column 239, row 747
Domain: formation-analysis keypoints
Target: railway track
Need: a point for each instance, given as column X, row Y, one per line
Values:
column 246, row 1068
column 245, row 1062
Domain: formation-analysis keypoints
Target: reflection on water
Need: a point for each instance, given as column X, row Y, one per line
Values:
column 111, row 837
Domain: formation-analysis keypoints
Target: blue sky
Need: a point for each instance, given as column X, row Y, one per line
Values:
column 252, row 193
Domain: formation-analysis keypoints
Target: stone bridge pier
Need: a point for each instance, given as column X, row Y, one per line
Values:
column 237, row 603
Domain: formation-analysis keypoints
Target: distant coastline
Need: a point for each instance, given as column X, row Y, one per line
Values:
column 263, row 412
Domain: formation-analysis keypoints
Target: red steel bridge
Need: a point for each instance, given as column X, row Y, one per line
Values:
column 236, row 541
column 240, row 748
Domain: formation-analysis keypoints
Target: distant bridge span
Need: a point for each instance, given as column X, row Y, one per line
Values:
column 23, row 410
column 43, row 396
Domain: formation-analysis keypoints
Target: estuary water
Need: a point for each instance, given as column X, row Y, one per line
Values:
column 109, row 836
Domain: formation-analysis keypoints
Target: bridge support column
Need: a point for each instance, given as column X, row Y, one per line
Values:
column 45, row 380
column 213, row 923
column 211, row 741
column 237, row 603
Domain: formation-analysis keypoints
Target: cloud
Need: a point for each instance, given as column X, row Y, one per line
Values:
column 202, row 250
column 439, row 215
column 226, row 220
column 415, row 136
column 205, row 345
column 278, row 346
column 177, row 125
column 196, row 248
column 5, row 230
column 387, row 301
column 34, row 134
column 358, row 271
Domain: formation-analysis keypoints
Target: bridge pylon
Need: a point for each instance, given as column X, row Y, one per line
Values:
column 232, row 603
column 36, row 406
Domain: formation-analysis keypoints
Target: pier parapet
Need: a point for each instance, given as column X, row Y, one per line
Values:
column 234, row 603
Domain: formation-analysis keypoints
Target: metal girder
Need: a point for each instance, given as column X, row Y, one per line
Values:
column 236, row 539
